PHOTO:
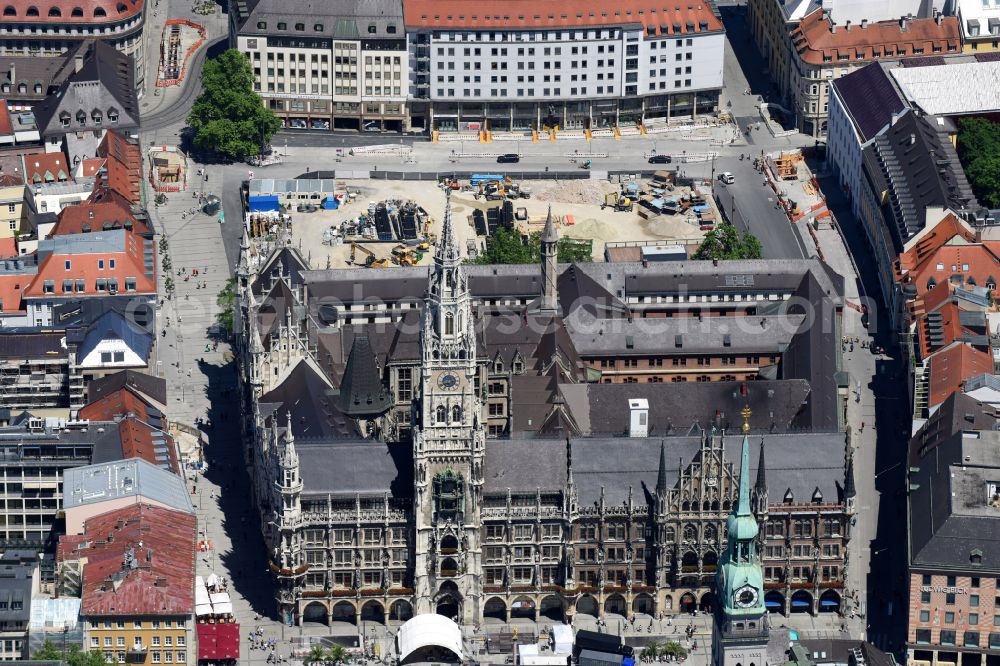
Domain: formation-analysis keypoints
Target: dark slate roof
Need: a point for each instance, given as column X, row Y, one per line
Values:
column 799, row 463
column 111, row 325
column 926, row 173
column 15, row 585
column 338, row 19
column 312, row 403
column 951, row 515
column 524, row 465
column 84, row 311
column 286, row 263
column 362, row 392
column 148, row 385
column 349, row 467
column 114, row 72
column 777, row 406
column 31, row 345
column 870, row 99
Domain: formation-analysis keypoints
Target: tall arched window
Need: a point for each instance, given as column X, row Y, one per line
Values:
column 440, row 414
column 449, row 324
column 456, row 414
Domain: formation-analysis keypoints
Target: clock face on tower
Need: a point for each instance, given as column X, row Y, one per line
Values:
column 746, row 597
column 447, row 381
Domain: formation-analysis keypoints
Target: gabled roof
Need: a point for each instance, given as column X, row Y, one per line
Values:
column 307, row 394
column 870, row 99
column 141, row 428
column 122, row 168
column 87, row 217
column 149, row 386
column 952, row 366
column 362, row 392
column 112, row 325
column 147, row 568
column 46, row 168
column 113, row 72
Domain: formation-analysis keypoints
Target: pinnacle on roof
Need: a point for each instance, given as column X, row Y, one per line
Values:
column 661, row 476
column 761, row 484
column 743, row 505
column 447, row 251
column 362, row 393
column 549, row 234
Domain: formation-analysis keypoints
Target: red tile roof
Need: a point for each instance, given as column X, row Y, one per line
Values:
column 818, row 41
column 46, row 168
column 11, row 292
column 667, row 17
column 8, row 247
column 111, row 213
column 923, row 250
column 92, row 166
column 123, row 169
column 134, row 427
column 952, row 366
column 156, row 580
column 75, row 11
column 6, row 126
column 128, row 264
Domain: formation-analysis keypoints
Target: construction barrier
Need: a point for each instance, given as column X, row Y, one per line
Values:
column 163, row 81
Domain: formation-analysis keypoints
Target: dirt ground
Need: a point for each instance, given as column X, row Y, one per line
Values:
column 576, row 206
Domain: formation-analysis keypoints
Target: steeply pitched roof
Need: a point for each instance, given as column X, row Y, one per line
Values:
column 122, row 167
column 89, row 217
column 952, row 366
column 146, row 569
column 366, row 467
column 114, row 72
column 362, row 391
column 306, row 393
column 869, row 98
column 138, row 382
column 46, row 168
column 112, row 325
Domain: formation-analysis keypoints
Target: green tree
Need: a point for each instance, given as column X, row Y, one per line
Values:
column 317, row 655
column 74, row 655
column 652, row 650
column 726, row 242
column 979, row 152
column 336, row 653
column 674, row 649
column 228, row 118
column 227, row 301
column 507, row 246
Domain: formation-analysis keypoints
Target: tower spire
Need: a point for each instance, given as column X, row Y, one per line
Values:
column 550, row 265
column 743, row 505
column 661, row 476
column 447, row 251
column 761, row 484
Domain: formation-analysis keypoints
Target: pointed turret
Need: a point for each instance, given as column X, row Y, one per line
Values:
column 550, row 266
column 362, row 393
column 289, row 456
column 661, row 476
column 447, row 250
column 761, row 485
column 743, row 504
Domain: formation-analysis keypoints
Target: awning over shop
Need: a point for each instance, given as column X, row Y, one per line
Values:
column 218, row 641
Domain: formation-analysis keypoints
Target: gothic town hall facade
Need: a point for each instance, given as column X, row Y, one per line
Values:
column 540, row 441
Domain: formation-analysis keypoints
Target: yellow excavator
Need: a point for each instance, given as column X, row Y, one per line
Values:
column 617, row 201
column 369, row 257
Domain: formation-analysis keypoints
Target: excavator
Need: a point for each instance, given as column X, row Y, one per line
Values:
column 617, row 201
column 370, row 260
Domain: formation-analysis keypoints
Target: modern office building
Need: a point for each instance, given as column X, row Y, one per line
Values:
column 340, row 65
column 523, row 66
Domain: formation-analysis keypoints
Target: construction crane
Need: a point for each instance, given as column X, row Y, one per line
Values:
column 369, row 257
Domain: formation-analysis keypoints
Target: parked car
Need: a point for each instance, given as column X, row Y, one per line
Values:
column 508, row 158
column 660, row 159
column 727, row 178
column 297, row 123
column 371, row 127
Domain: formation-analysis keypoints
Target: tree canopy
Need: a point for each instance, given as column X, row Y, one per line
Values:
column 228, row 118
column 506, row 246
column 727, row 242
column 979, row 152
column 74, row 655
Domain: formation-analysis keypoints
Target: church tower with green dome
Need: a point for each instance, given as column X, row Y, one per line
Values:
column 741, row 632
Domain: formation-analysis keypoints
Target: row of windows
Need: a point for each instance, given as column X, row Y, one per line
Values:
column 949, row 637
column 79, row 286
column 138, row 624
column 319, row 27
column 522, row 92
column 76, row 12
column 678, row 361
column 368, row 535
column 137, row 641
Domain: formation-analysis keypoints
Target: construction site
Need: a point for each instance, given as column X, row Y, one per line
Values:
column 381, row 224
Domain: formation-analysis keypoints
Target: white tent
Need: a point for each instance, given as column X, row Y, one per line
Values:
column 562, row 639
column 200, row 592
column 429, row 630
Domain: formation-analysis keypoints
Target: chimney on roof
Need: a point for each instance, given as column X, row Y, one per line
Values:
column 833, row 28
column 913, row 139
column 937, row 18
column 13, row 74
column 864, row 24
column 77, row 62
column 847, row 26
column 904, row 24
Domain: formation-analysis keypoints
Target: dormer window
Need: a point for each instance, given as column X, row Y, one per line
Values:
column 300, row 26
column 282, row 26
column 789, row 498
column 112, row 116
column 64, row 120
column 81, row 119
column 261, row 25
column 22, row 88
column 38, row 88
column 976, row 556
column 96, row 115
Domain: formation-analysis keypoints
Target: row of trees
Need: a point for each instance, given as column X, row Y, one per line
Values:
column 506, row 246
column 979, row 152
column 669, row 649
column 320, row 656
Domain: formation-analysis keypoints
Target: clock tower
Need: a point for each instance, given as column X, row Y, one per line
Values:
column 448, row 443
column 740, row 628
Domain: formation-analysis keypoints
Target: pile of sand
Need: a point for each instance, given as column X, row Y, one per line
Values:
column 590, row 192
